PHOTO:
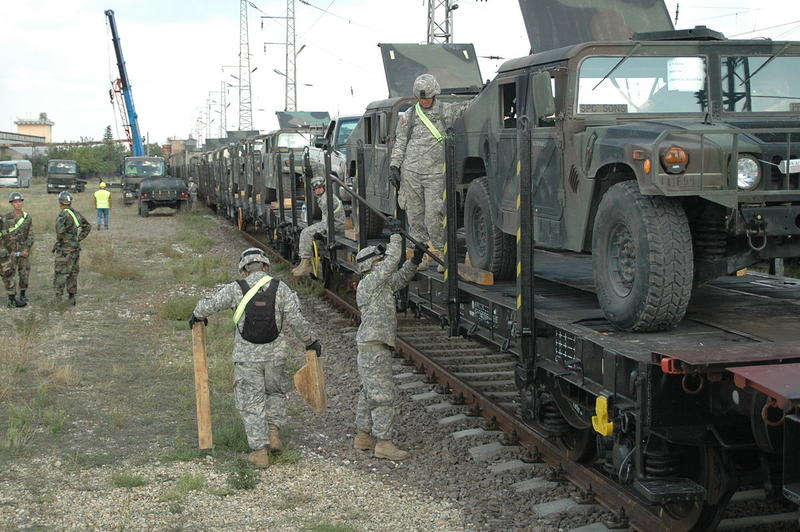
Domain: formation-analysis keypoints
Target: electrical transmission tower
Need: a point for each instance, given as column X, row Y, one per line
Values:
column 440, row 21
column 245, row 95
column 290, row 66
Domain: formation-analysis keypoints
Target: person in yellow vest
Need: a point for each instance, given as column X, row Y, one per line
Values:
column 102, row 201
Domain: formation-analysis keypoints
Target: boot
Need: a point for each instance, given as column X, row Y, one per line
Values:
column 259, row 458
column 302, row 269
column 275, row 443
column 424, row 264
column 99, row 227
column 440, row 256
column 71, row 299
column 386, row 449
column 363, row 441
column 13, row 303
column 22, row 297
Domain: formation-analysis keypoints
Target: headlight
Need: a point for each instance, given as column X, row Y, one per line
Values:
column 749, row 172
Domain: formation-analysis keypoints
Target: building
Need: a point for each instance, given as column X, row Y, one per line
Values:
column 18, row 146
column 41, row 127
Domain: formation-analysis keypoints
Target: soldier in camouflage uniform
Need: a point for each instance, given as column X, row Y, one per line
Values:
column 375, row 412
column 19, row 242
column 307, row 235
column 417, row 164
column 71, row 229
column 261, row 380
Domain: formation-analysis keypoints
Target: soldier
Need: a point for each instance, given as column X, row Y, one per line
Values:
column 71, row 228
column 307, row 235
column 417, row 164
column 19, row 242
column 262, row 307
column 375, row 412
column 192, row 193
column 102, row 201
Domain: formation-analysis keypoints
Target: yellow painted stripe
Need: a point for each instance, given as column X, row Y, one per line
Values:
column 519, row 167
column 519, row 234
column 444, row 194
column 445, row 275
column 444, row 221
column 519, row 302
column 444, row 249
column 519, row 268
column 519, row 201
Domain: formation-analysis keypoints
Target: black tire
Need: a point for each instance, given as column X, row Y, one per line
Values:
column 489, row 247
column 144, row 209
column 635, row 294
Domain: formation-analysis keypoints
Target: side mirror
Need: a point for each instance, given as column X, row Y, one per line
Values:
column 321, row 143
column 543, row 101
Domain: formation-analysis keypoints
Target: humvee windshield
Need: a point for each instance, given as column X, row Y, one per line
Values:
column 755, row 84
column 642, row 85
column 144, row 168
column 293, row 140
column 345, row 128
column 8, row 170
column 62, row 167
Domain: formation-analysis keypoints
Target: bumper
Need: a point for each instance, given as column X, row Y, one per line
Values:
column 775, row 220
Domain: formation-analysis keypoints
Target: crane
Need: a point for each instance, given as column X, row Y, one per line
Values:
column 123, row 86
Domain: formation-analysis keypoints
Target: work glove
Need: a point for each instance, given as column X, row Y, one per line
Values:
column 393, row 225
column 394, row 177
column 316, row 346
column 194, row 319
column 419, row 252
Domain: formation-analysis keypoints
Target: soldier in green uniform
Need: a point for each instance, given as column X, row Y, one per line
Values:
column 71, row 228
column 19, row 242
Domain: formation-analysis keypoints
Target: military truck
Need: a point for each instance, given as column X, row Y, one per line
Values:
column 134, row 170
column 455, row 67
column 162, row 191
column 335, row 139
column 63, row 174
column 672, row 157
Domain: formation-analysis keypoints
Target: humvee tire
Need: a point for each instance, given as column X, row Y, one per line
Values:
column 144, row 210
column 642, row 259
column 489, row 248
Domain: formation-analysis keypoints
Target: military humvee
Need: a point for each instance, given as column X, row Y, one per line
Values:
column 672, row 157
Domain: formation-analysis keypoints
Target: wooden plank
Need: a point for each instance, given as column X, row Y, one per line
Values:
column 475, row 275
column 352, row 234
column 287, row 203
column 203, row 401
column 310, row 382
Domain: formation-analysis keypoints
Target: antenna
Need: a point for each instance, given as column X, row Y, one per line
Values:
column 245, row 96
column 440, row 21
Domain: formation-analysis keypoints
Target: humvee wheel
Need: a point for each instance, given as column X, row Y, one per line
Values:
column 642, row 259
column 489, row 248
column 144, row 210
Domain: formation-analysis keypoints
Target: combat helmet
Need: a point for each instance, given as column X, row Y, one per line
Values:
column 15, row 196
column 426, row 86
column 252, row 255
column 64, row 197
column 317, row 182
column 366, row 257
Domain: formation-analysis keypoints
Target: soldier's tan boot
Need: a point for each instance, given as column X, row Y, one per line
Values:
column 440, row 256
column 363, row 441
column 259, row 458
column 302, row 269
column 275, row 443
column 387, row 449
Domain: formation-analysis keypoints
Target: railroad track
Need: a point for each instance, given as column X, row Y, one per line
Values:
column 476, row 381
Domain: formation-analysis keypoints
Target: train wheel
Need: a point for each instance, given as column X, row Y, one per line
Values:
column 642, row 259
column 579, row 445
column 489, row 248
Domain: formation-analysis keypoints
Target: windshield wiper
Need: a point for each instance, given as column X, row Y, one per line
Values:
column 633, row 51
column 768, row 61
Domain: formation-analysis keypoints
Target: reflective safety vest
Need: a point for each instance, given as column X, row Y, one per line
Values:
column 16, row 225
column 237, row 315
column 102, row 197
column 74, row 218
column 427, row 121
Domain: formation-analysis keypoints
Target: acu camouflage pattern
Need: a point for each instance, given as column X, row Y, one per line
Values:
column 375, row 296
column 261, row 378
column 307, row 234
column 420, row 158
column 375, row 412
column 18, row 240
column 555, row 24
column 67, row 250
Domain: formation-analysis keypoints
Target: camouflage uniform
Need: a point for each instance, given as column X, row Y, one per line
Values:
column 6, row 269
column 307, row 235
column 192, row 195
column 68, row 250
column 261, row 380
column 18, row 239
column 420, row 158
column 376, row 336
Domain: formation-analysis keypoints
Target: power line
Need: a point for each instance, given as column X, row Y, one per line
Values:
column 767, row 28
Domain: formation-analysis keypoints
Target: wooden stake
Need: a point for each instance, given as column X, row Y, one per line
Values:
column 310, row 382
column 204, row 438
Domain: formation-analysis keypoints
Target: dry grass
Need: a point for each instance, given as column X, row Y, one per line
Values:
column 103, row 260
column 66, row 376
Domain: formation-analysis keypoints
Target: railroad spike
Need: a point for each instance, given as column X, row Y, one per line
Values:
column 509, row 440
column 534, row 456
column 619, row 520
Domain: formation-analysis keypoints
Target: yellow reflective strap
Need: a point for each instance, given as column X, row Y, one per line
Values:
column 425, row 120
column 17, row 225
column 74, row 218
column 248, row 296
column 338, row 206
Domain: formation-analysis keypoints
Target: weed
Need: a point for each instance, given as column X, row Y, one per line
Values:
column 220, row 491
column 179, row 308
column 54, row 418
column 118, row 417
column 243, row 476
column 190, row 482
column 175, row 508
column 171, row 495
column 170, row 252
column 184, row 452
column 66, row 375
column 288, row 456
column 202, row 271
column 229, row 433
column 19, row 427
column 121, row 479
column 197, row 241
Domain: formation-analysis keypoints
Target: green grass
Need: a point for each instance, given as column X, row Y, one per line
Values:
column 104, row 261
column 184, row 452
column 122, row 479
column 54, row 418
column 288, row 456
column 203, row 271
column 243, row 476
column 189, row 482
column 20, row 427
column 178, row 308
column 197, row 241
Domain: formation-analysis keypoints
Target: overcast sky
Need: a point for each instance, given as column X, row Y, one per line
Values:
column 58, row 57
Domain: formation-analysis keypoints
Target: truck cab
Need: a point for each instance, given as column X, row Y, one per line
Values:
column 16, row 173
column 134, row 170
column 63, row 174
column 334, row 139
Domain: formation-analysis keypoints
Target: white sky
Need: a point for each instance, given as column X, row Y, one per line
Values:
column 58, row 57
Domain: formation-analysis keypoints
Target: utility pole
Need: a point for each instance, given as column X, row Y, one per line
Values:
column 245, row 95
column 290, row 68
column 440, row 21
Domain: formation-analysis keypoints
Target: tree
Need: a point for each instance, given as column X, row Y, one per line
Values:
column 153, row 150
column 107, row 136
